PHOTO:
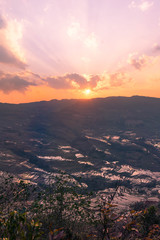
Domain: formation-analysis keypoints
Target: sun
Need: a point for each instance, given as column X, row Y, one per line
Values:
column 87, row 91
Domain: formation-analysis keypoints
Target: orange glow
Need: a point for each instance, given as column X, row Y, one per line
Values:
column 87, row 91
column 39, row 93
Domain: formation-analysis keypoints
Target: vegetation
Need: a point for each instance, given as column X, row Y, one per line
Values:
column 64, row 210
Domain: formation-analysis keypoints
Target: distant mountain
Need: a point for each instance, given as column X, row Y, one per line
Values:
column 98, row 139
column 112, row 114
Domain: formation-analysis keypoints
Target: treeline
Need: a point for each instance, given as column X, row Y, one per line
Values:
column 63, row 209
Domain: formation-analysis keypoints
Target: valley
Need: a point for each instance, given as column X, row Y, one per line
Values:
column 100, row 142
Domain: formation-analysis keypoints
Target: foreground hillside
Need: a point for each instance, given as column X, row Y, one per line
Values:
column 106, row 142
column 65, row 211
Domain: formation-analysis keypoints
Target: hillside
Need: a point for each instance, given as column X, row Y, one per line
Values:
column 104, row 141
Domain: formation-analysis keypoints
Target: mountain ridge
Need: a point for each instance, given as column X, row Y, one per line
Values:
column 81, row 137
column 82, row 99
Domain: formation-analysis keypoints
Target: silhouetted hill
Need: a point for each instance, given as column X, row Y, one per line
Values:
column 140, row 114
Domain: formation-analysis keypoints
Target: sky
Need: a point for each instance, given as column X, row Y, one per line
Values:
column 63, row 49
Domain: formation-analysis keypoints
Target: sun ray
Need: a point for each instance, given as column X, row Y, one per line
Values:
column 87, row 91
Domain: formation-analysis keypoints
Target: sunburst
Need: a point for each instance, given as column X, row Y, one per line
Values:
column 87, row 91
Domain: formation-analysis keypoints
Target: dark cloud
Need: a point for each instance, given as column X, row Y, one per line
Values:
column 9, row 83
column 58, row 82
column 94, row 79
column 80, row 80
column 34, row 74
column 2, row 23
column 156, row 48
column 72, row 80
column 21, row 81
column 67, row 81
column 8, row 57
column 137, row 62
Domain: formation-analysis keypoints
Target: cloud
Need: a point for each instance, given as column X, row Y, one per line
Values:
column 11, row 52
column 119, row 79
column 9, row 83
column 156, row 47
column 143, row 6
column 2, row 23
column 75, row 31
column 58, row 82
column 78, row 79
column 23, row 80
column 67, row 81
column 73, row 81
column 91, row 41
column 111, row 80
column 7, row 57
column 138, row 62
column 93, row 80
